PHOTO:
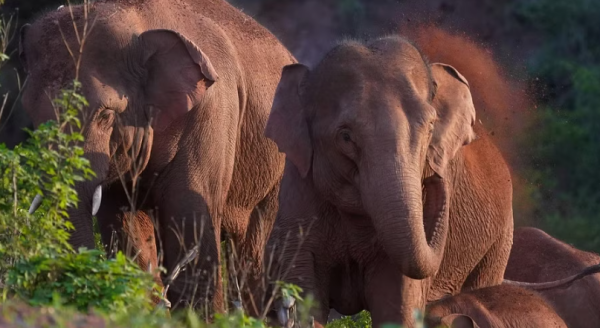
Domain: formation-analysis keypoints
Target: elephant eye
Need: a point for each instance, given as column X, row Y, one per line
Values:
column 346, row 136
column 106, row 117
column 347, row 144
column 106, row 114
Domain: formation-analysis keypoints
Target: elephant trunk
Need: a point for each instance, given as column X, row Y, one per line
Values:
column 81, row 218
column 401, row 209
column 90, row 197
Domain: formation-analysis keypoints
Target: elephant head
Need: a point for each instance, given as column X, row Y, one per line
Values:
column 138, row 83
column 375, row 127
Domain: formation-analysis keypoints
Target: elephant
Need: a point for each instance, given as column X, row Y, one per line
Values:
column 515, row 303
column 500, row 306
column 178, row 94
column 537, row 257
column 393, row 194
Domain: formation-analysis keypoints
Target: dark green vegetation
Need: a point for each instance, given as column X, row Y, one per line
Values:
column 565, row 136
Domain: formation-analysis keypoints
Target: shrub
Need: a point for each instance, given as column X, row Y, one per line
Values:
column 362, row 319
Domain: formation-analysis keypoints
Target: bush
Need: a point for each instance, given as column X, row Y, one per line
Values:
column 83, row 280
column 362, row 319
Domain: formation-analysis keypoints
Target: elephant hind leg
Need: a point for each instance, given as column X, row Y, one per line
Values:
column 490, row 270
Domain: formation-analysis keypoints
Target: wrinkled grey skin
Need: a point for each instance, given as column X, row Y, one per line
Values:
column 179, row 93
column 398, row 202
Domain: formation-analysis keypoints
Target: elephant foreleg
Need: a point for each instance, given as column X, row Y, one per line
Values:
column 190, row 237
column 490, row 270
column 251, row 252
column 392, row 297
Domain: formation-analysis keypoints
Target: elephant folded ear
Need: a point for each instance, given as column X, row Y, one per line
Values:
column 456, row 117
column 176, row 71
column 458, row 321
column 22, row 57
column 287, row 125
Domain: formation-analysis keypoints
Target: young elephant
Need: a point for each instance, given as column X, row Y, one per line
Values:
column 494, row 307
column 538, row 257
column 393, row 210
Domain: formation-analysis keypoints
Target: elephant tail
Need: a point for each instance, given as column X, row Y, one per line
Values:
column 557, row 283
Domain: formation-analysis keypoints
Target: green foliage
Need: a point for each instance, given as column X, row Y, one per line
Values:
column 83, row 280
column 289, row 290
column 49, row 163
column 236, row 319
column 565, row 149
column 361, row 320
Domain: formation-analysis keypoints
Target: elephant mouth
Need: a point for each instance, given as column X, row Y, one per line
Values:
column 435, row 208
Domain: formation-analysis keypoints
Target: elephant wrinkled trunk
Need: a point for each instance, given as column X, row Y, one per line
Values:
column 81, row 218
column 400, row 222
column 90, row 196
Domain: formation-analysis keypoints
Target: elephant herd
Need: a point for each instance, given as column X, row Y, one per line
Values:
column 366, row 180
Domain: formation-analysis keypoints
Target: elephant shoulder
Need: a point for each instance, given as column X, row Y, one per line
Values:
column 483, row 159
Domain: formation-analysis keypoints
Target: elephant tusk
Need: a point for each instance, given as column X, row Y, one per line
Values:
column 283, row 315
column 164, row 303
column 35, row 204
column 288, row 302
column 96, row 200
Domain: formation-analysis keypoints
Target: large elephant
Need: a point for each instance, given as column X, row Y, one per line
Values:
column 179, row 93
column 537, row 257
column 394, row 207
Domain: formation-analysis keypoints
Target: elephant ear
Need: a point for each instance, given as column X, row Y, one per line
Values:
column 287, row 125
column 22, row 57
column 458, row 321
column 456, row 116
column 175, row 70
